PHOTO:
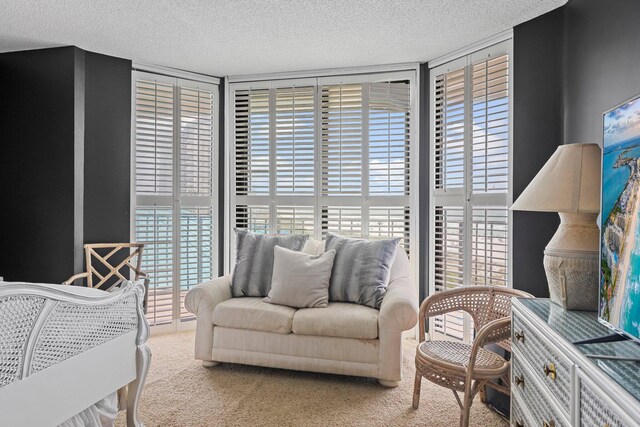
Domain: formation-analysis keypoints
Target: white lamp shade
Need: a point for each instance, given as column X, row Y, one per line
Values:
column 568, row 182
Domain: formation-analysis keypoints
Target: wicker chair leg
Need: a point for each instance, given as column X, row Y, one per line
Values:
column 466, row 405
column 416, row 391
column 483, row 394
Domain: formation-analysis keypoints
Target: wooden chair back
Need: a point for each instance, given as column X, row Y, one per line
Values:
column 107, row 262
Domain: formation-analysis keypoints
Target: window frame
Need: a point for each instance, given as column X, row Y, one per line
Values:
column 177, row 200
column 409, row 72
column 454, row 197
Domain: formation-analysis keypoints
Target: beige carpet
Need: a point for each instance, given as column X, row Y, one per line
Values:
column 181, row 392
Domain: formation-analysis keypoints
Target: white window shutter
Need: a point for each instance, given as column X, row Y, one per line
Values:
column 175, row 158
column 251, row 135
column 340, row 156
column 295, row 220
column 341, row 139
column 449, row 121
column 154, row 227
column 490, row 98
column 254, row 218
column 389, row 127
column 295, row 132
column 154, row 122
column 345, row 221
column 449, row 237
column 471, row 140
column 490, row 246
column 196, row 141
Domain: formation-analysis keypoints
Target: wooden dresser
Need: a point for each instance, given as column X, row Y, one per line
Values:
column 555, row 383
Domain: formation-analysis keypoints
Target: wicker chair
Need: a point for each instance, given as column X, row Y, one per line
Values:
column 461, row 367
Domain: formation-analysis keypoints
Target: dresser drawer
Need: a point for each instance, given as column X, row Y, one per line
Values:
column 518, row 413
column 552, row 368
column 597, row 408
column 531, row 396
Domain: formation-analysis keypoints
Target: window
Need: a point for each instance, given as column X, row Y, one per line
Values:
column 331, row 154
column 471, row 164
column 175, row 157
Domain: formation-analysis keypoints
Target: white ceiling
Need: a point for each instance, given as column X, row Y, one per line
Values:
column 230, row 37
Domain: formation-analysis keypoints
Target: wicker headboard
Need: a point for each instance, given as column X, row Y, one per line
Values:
column 42, row 325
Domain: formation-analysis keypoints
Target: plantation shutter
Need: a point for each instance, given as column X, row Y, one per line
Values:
column 175, row 143
column 342, row 139
column 295, row 131
column 196, row 186
column 471, row 177
column 154, row 137
column 365, row 145
column 332, row 154
column 155, row 228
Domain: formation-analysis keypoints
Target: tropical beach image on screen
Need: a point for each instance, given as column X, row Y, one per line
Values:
column 620, row 256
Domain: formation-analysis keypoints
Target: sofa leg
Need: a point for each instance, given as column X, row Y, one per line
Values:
column 210, row 363
column 388, row 383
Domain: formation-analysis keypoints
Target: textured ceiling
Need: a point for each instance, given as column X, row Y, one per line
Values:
column 229, row 37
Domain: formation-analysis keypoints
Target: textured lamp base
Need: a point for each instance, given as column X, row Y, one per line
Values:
column 571, row 262
column 573, row 281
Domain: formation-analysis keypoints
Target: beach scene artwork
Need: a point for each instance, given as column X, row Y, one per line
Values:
column 620, row 240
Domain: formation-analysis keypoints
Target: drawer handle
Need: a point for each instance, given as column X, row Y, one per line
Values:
column 519, row 336
column 550, row 423
column 550, row 371
column 520, row 381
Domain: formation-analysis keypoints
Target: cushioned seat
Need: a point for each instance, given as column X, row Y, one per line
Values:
column 339, row 319
column 255, row 314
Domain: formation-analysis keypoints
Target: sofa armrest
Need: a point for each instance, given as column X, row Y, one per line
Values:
column 202, row 299
column 399, row 308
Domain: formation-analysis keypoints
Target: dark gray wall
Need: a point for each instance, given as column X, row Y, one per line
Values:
column 423, row 178
column 221, row 176
column 570, row 65
column 107, row 148
column 537, row 131
column 37, row 164
column 65, row 163
column 602, row 63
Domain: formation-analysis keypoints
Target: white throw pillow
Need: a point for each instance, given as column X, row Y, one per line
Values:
column 300, row 280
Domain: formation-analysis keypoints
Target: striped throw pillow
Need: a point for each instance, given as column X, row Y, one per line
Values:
column 360, row 269
column 254, row 261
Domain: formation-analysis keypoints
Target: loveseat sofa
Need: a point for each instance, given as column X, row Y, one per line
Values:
column 343, row 338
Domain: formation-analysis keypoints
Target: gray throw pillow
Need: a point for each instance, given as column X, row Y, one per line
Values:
column 254, row 261
column 361, row 269
column 300, row 280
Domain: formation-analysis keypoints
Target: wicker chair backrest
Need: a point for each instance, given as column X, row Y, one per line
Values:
column 483, row 303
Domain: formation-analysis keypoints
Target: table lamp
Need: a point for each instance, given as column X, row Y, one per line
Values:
column 569, row 183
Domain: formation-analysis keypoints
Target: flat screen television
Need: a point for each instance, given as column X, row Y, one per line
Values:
column 619, row 302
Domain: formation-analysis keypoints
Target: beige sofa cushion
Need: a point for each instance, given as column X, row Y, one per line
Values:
column 255, row 314
column 313, row 247
column 339, row 319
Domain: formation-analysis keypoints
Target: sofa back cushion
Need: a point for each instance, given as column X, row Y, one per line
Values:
column 313, row 247
column 361, row 269
column 254, row 261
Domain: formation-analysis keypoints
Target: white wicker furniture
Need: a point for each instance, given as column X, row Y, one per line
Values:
column 462, row 367
column 64, row 348
column 554, row 383
column 344, row 338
